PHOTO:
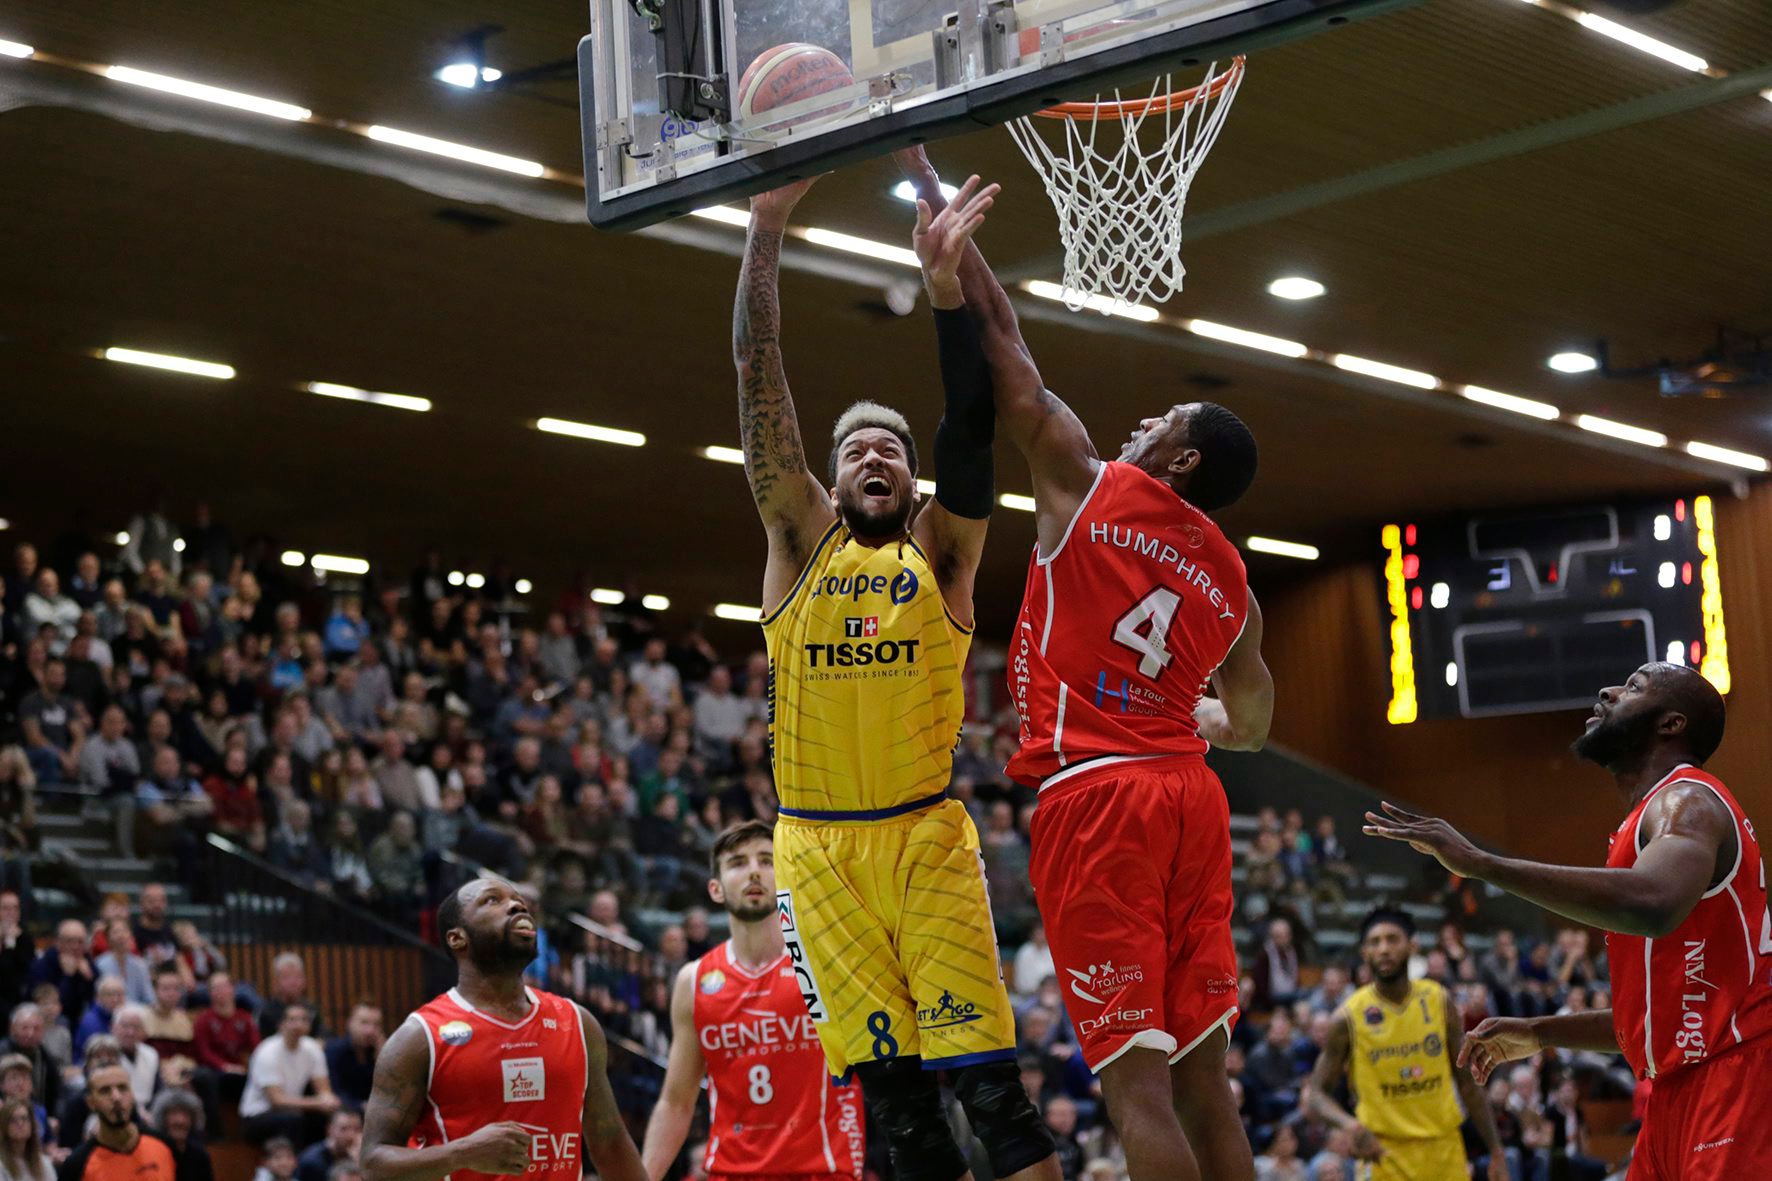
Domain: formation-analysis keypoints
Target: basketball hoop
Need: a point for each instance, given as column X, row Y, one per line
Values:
column 1120, row 206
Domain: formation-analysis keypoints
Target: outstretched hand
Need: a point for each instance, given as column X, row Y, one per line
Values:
column 1427, row 834
column 940, row 238
column 771, row 210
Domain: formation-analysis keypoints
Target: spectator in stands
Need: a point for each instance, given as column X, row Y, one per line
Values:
column 279, row 1161
column 394, row 775
column 21, row 1144
column 350, row 1057
column 108, row 759
column 1572, row 961
column 178, row 1116
column 171, row 1030
column 47, row 607
column 58, row 1035
column 1033, row 963
column 720, row 718
column 120, row 961
column 351, row 880
column 346, row 630
column 1276, row 966
column 53, row 727
column 174, row 807
column 233, row 790
column 127, row 1150
column 130, row 1028
column 1279, row 1162
column 344, row 1137
column 1333, row 987
column 295, row 849
column 1060, row 1113
column 15, row 1087
column 225, row 1038
column 197, row 957
column 1272, row 1075
column 289, row 986
column 18, row 817
column 16, row 950
column 1005, row 853
column 657, row 678
column 287, row 1089
column 109, row 996
column 396, row 866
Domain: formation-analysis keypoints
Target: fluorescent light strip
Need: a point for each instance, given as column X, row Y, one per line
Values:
column 907, row 192
column 335, row 564
column 902, row 255
column 738, row 613
column 1753, row 463
column 1642, row 43
column 170, row 363
column 15, row 49
column 655, row 602
column 723, row 454
column 1017, row 502
column 607, row 597
column 329, row 389
column 455, row 151
column 1384, row 372
column 585, row 430
column 1284, row 549
column 1621, row 430
column 294, row 558
column 724, row 214
column 1093, row 303
column 1572, row 363
column 4, row 524
column 926, row 487
column 208, row 94
column 1248, row 340
column 1512, row 402
column 1295, row 287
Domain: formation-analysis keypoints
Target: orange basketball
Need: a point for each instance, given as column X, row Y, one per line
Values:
column 787, row 74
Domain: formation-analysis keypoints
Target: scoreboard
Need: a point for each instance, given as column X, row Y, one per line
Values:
column 1526, row 612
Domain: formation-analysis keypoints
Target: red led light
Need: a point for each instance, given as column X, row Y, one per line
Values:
column 1415, row 598
column 1679, row 510
column 1411, row 567
column 1552, row 577
column 1697, row 653
column 1686, row 573
column 1408, row 535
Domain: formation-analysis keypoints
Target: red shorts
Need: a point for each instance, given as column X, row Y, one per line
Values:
column 1709, row 1122
column 1131, row 868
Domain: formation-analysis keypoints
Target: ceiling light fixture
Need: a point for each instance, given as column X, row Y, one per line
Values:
column 723, row 454
column 1643, row 43
column 607, row 597
column 294, row 558
column 1295, row 287
column 724, row 214
column 1511, row 402
column 655, row 602
column 170, row 363
column 907, row 192
column 1284, row 549
column 1621, row 430
column 15, row 49
column 902, row 255
column 476, row 581
column 1245, row 338
column 467, row 75
column 1384, row 372
column 1753, row 463
column 330, row 389
column 208, row 94
column 456, row 578
column 586, row 430
column 336, row 564
column 1572, row 362
column 926, row 487
column 738, row 613
column 455, row 151
column 5, row 524
column 523, row 586
column 1093, row 303
column 122, row 537
column 178, row 545
column 1016, row 501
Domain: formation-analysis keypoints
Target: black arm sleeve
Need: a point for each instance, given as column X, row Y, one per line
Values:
column 964, row 476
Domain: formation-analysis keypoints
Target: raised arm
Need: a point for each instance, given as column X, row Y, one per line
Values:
column 607, row 1142
column 1689, row 831
column 1476, row 1100
column 669, row 1124
column 1319, row 1093
column 1238, row 717
column 795, row 508
column 397, row 1099
column 1060, row 456
column 1501, row 1040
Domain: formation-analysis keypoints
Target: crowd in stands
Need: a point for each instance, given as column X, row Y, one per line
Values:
column 370, row 741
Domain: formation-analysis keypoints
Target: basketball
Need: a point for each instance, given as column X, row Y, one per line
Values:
column 787, row 74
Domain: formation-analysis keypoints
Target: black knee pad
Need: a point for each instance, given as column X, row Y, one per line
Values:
column 905, row 1101
column 1002, row 1116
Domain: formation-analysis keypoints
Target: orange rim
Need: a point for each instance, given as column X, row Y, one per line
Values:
column 1161, row 104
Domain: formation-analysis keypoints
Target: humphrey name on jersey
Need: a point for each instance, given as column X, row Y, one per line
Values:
column 1165, row 556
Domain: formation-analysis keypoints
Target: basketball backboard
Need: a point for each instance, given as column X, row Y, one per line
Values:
column 663, row 120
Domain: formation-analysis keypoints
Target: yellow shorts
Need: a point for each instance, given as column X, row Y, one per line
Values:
column 889, row 927
column 1439, row 1159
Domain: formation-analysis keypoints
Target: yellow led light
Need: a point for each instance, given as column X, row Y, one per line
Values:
column 1403, row 707
column 1715, row 664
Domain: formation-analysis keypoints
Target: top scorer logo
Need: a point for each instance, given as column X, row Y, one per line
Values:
column 864, row 627
column 526, row 1080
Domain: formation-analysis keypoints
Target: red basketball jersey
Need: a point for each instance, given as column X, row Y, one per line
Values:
column 773, row 1106
column 1680, row 999
column 485, row 1071
column 1121, row 628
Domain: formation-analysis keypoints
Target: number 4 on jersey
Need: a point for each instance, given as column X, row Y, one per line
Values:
column 1152, row 614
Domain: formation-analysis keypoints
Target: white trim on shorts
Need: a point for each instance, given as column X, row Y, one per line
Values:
column 1092, row 764
column 1223, row 1022
column 1149, row 1039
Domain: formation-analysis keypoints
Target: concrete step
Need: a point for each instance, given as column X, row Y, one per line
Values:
column 1386, row 883
column 1241, row 823
column 81, row 848
column 57, row 822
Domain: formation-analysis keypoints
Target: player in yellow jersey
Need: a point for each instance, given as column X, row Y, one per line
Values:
column 1396, row 1040
column 867, row 612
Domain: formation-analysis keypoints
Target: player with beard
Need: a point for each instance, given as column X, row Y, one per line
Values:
column 738, row 1020
column 867, row 615
column 1395, row 1040
column 494, row 1078
column 1682, row 899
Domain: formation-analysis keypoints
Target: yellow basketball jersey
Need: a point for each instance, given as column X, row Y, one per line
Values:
column 1401, row 1073
column 866, row 697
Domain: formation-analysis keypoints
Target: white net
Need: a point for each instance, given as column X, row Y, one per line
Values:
column 1120, row 187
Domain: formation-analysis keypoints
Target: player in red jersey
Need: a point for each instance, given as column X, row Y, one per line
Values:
column 1682, row 899
column 1135, row 605
column 494, row 1078
column 738, row 1017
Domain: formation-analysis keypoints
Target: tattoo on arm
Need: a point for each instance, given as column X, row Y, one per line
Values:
column 768, row 426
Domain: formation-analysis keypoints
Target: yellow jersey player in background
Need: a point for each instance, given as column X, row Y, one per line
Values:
column 1397, row 1039
column 867, row 612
